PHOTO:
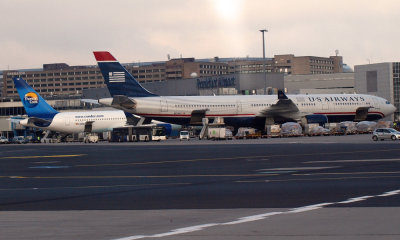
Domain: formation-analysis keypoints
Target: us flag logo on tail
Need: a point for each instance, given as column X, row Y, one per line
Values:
column 116, row 77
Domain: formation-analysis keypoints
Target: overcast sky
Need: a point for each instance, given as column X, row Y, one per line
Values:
column 33, row 32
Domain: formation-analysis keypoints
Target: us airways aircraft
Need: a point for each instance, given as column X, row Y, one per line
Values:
column 42, row 115
column 238, row 111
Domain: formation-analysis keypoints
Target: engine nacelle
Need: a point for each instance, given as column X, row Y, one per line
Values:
column 314, row 118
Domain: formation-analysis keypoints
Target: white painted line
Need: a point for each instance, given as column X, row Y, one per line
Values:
column 252, row 218
column 362, row 160
column 297, row 168
column 185, row 230
column 309, row 208
column 358, row 199
column 257, row 160
column 389, row 193
column 256, row 217
column 173, row 232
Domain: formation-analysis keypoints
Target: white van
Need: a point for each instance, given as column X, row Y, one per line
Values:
column 184, row 135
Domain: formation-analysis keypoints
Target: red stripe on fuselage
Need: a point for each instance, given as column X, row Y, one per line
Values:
column 243, row 115
column 186, row 115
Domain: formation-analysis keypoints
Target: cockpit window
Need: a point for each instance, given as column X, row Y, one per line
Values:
column 387, row 102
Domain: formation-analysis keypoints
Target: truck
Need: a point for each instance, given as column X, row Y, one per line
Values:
column 216, row 133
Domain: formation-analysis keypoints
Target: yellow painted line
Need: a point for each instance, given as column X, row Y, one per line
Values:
column 160, row 176
column 229, row 158
column 161, row 162
column 46, row 156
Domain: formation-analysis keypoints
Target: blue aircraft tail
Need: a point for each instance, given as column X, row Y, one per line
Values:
column 35, row 106
column 119, row 81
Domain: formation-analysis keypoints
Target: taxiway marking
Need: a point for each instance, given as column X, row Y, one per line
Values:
column 356, row 161
column 251, row 158
column 139, row 176
column 256, row 217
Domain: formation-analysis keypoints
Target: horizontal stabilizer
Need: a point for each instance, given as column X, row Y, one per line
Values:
column 91, row 101
column 39, row 122
column 124, row 102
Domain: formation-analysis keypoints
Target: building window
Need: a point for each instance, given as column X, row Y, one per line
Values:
column 372, row 81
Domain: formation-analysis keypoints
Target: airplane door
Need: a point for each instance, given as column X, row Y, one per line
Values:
column 67, row 121
column 164, row 105
column 238, row 107
column 325, row 106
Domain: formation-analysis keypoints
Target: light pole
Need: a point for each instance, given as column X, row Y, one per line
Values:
column 265, row 72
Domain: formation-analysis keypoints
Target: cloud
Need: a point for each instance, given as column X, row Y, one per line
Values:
column 48, row 31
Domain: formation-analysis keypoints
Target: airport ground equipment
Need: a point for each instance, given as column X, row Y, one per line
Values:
column 91, row 138
column 348, row 127
column 215, row 130
column 291, row 129
column 216, row 133
column 138, row 134
column 384, row 124
column 274, row 131
column 184, row 135
column 247, row 133
column 365, row 127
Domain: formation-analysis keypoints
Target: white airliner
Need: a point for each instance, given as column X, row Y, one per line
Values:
column 42, row 115
column 238, row 111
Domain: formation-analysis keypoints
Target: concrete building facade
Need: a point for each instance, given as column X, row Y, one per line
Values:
column 60, row 79
column 335, row 83
column 381, row 79
column 291, row 64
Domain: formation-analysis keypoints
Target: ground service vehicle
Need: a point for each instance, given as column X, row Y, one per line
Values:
column 19, row 140
column 184, row 135
column 3, row 140
column 216, row 133
column 138, row 134
column 385, row 133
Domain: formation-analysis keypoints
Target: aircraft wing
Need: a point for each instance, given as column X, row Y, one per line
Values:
column 92, row 101
column 283, row 108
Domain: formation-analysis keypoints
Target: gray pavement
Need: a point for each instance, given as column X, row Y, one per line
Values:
column 334, row 187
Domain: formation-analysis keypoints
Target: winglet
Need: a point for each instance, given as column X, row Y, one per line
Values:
column 281, row 94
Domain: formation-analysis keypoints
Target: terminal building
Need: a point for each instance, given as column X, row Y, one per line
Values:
column 380, row 79
column 60, row 79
